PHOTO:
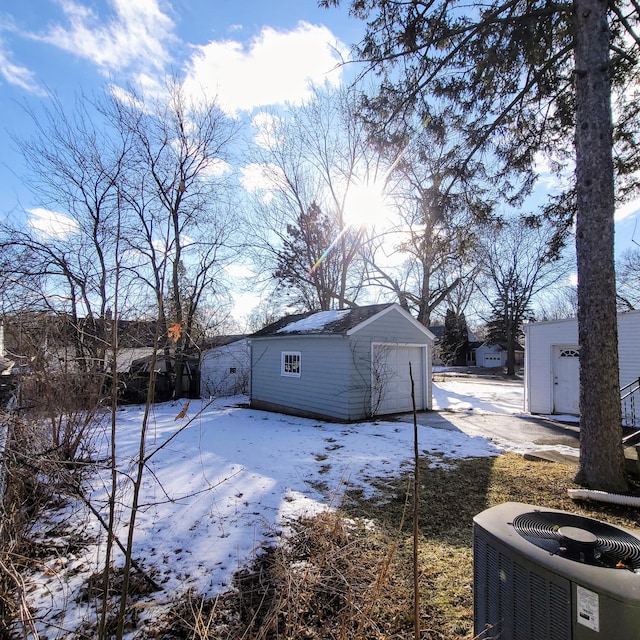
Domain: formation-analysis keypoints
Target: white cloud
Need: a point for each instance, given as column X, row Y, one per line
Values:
column 136, row 35
column 274, row 68
column 266, row 127
column 217, row 167
column 237, row 270
column 17, row 75
column 261, row 177
column 51, row 224
column 244, row 304
column 548, row 177
column 126, row 98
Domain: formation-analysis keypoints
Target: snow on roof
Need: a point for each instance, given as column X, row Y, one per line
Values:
column 315, row 322
column 338, row 321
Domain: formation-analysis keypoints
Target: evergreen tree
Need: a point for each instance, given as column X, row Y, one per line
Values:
column 454, row 343
column 529, row 76
column 307, row 241
column 312, row 156
column 517, row 267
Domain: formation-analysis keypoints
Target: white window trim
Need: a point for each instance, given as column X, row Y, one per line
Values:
column 290, row 374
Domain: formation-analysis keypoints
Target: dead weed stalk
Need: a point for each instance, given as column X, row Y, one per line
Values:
column 24, row 496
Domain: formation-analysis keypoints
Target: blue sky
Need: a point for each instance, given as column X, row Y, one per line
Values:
column 251, row 53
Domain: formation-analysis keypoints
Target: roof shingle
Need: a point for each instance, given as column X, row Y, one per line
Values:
column 321, row 322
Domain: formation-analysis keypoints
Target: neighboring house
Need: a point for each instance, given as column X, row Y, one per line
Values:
column 491, row 355
column 552, row 373
column 495, row 355
column 345, row 365
column 436, row 352
column 469, row 354
column 225, row 369
column 134, row 383
column 135, row 342
column 55, row 338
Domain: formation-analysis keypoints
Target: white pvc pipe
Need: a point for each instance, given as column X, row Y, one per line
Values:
column 603, row 496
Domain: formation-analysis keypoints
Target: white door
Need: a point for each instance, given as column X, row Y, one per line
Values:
column 391, row 387
column 566, row 380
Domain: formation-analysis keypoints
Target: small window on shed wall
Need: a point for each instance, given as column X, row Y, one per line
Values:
column 290, row 364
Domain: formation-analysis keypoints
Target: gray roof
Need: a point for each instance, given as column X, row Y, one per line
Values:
column 437, row 330
column 321, row 322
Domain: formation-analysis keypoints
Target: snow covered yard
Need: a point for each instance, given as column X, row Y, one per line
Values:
column 226, row 484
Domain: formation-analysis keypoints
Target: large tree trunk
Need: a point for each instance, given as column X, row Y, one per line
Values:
column 601, row 453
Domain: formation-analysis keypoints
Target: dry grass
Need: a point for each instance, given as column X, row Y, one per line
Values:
column 349, row 574
column 25, row 495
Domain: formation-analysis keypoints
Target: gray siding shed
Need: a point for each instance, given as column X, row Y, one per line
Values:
column 342, row 363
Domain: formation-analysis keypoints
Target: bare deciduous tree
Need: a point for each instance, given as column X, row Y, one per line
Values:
column 628, row 280
column 310, row 158
column 435, row 204
column 137, row 207
column 516, row 262
column 178, row 188
column 65, row 252
column 529, row 77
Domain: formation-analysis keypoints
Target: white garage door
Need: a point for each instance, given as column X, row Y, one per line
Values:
column 566, row 380
column 391, row 379
column 492, row 360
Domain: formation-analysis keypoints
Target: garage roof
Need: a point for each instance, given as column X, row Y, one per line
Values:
column 321, row 322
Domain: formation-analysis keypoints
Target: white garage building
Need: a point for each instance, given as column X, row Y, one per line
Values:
column 225, row 370
column 552, row 373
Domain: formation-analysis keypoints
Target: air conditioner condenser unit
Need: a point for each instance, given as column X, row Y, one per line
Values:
column 544, row 574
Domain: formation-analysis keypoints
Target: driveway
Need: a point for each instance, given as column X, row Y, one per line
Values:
column 494, row 409
column 543, row 437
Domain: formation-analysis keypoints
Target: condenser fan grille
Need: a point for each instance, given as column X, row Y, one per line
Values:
column 580, row 539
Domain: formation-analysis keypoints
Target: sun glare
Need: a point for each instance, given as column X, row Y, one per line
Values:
column 366, row 204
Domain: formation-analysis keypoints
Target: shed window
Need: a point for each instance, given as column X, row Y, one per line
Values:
column 290, row 364
column 569, row 353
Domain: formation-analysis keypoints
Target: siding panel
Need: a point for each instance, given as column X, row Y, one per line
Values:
column 225, row 370
column 629, row 346
column 540, row 340
column 323, row 384
column 391, row 328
